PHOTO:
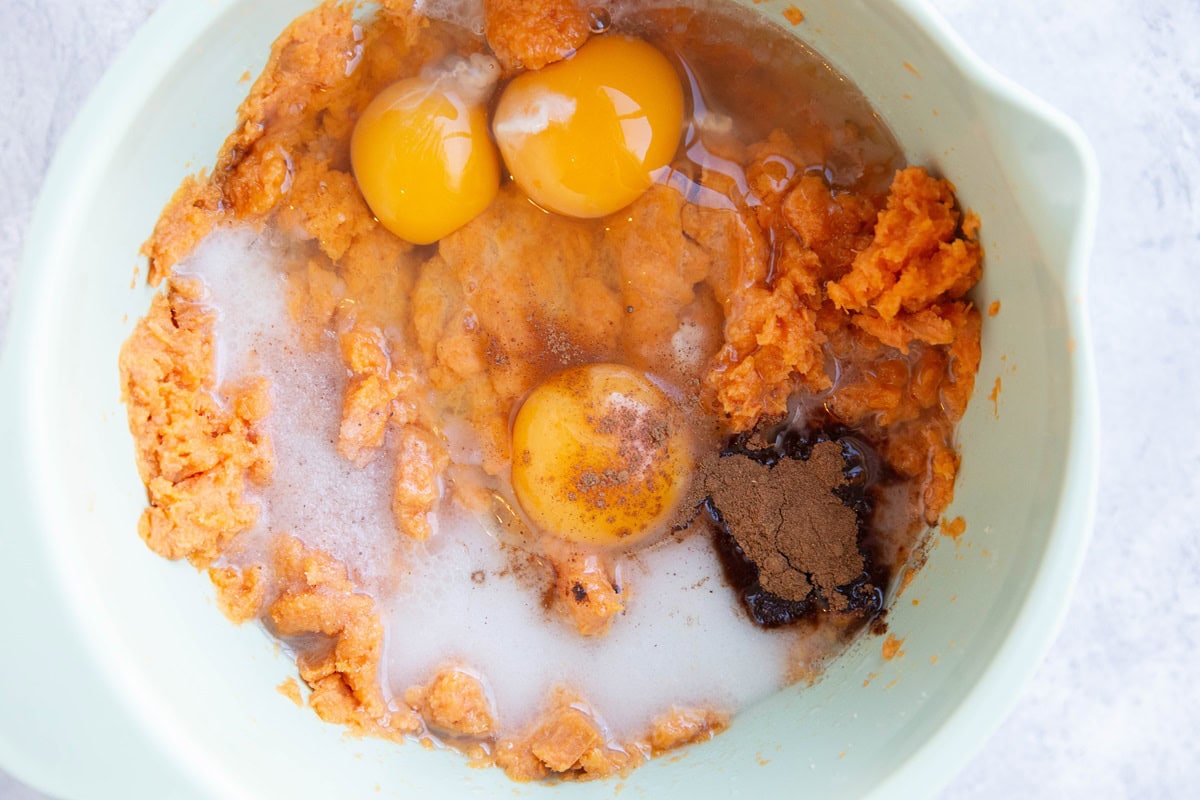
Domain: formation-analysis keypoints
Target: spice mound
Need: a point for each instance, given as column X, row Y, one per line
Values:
column 789, row 520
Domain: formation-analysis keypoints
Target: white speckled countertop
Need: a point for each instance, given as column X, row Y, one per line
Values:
column 1114, row 711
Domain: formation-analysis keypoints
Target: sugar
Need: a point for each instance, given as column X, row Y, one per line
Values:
column 687, row 345
column 463, row 13
column 535, row 116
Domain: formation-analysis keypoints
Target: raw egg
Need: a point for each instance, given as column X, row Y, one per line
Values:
column 421, row 152
column 583, row 136
column 599, row 455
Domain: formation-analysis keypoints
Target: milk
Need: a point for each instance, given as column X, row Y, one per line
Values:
column 683, row 639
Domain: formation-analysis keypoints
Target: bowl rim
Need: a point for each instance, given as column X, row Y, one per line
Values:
column 127, row 85
column 1039, row 620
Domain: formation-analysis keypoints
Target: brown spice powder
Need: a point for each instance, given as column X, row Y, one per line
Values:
column 787, row 520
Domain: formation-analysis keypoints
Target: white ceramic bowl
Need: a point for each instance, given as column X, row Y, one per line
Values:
column 121, row 679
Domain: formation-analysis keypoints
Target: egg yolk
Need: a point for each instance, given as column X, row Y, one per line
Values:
column 599, row 456
column 583, row 136
column 423, row 157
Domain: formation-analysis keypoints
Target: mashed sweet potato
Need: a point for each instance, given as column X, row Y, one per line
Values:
column 196, row 443
column 529, row 34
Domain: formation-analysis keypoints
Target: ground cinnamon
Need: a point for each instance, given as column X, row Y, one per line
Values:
column 788, row 518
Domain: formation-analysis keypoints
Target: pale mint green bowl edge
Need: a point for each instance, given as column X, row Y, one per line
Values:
column 36, row 755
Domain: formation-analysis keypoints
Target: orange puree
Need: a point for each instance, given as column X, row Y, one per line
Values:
column 786, row 279
column 454, row 703
column 529, row 34
column 194, row 453
column 316, row 596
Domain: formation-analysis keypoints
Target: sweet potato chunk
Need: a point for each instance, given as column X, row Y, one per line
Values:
column 587, row 595
column 529, row 34
column 454, row 702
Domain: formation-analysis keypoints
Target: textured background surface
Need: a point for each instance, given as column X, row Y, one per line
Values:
column 1114, row 711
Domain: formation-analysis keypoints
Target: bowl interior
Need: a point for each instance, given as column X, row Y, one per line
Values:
column 205, row 691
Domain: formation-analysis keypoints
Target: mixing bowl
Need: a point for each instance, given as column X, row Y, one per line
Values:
column 122, row 679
